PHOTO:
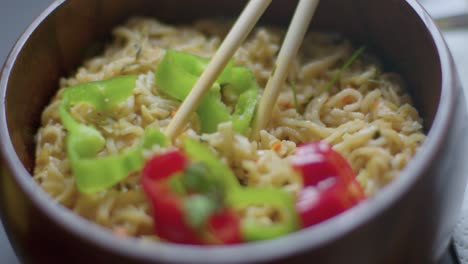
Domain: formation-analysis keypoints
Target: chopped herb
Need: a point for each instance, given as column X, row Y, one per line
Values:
column 176, row 184
column 294, row 90
column 139, row 49
column 345, row 67
column 377, row 134
column 309, row 100
column 198, row 209
column 209, row 197
column 195, row 178
column 374, row 81
column 199, row 179
column 127, row 67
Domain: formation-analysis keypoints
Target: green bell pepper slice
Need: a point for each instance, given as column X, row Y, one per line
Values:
column 240, row 197
column 277, row 198
column 199, row 152
column 177, row 74
column 92, row 173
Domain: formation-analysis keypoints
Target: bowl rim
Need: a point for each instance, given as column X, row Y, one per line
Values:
column 313, row 237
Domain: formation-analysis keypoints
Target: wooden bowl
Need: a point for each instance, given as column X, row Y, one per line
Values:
column 410, row 221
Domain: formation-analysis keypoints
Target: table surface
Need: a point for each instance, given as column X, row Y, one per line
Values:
column 16, row 15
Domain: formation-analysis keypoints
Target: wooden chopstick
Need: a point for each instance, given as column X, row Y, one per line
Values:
column 239, row 32
column 294, row 37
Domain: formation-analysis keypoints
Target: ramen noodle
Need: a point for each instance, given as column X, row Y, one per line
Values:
column 367, row 116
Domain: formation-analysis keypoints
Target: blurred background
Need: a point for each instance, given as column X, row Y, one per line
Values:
column 457, row 38
column 16, row 15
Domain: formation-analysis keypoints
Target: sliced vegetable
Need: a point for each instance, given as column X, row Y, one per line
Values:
column 169, row 213
column 330, row 187
column 164, row 166
column 177, row 74
column 317, row 161
column 92, row 173
column 239, row 197
column 225, row 227
column 206, row 194
column 188, row 205
column 168, row 205
column 316, row 204
column 198, row 210
column 197, row 178
column 275, row 198
column 200, row 153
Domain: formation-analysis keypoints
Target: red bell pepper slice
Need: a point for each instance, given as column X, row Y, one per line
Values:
column 168, row 215
column 226, row 227
column 169, row 211
column 330, row 187
column 315, row 205
column 163, row 166
column 317, row 161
